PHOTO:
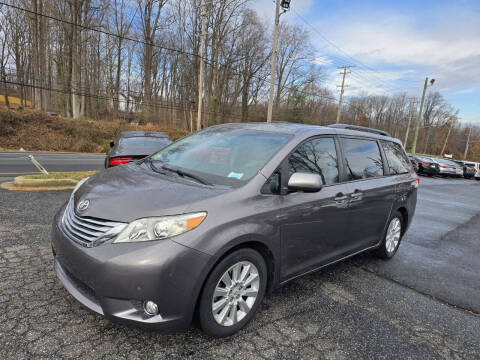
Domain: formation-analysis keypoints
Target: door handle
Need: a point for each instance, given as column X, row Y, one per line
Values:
column 341, row 198
column 356, row 195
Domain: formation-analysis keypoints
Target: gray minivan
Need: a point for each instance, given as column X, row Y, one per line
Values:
column 210, row 223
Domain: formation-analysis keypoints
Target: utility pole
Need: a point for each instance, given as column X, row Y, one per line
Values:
column 448, row 135
column 468, row 143
column 200, row 75
column 420, row 113
column 342, row 89
column 413, row 103
column 274, row 61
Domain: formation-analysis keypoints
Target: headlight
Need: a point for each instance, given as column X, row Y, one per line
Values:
column 158, row 228
column 79, row 183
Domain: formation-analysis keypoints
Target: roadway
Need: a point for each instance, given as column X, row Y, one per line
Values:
column 16, row 163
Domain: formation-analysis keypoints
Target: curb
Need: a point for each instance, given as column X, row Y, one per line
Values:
column 22, row 184
column 9, row 185
column 20, row 181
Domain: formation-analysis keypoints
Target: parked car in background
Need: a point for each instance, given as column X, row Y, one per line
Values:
column 449, row 168
column 210, row 223
column 134, row 145
column 414, row 162
column 476, row 166
column 427, row 166
column 467, row 167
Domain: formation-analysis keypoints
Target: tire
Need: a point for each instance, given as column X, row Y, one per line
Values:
column 391, row 242
column 245, row 306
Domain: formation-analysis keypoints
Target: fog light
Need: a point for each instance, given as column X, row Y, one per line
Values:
column 150, row 308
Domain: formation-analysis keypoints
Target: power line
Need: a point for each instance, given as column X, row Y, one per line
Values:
column 106, row 98
column 122, row 37
column 158, row 105
column 117, row 35
column 342, row 89
column 331, row 43
column 100, row 30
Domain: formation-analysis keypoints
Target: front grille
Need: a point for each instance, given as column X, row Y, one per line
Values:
column 84, row 230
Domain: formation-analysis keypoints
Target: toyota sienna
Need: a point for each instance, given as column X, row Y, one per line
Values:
column 210, row 223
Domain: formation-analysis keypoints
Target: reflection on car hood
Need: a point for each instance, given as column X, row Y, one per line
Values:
column 129, row 192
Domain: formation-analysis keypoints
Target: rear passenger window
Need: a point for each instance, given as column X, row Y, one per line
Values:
column 398, row 162
column 317, row 156
column 363, row 159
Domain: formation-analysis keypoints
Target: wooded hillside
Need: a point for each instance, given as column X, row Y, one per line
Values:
column 139, row 59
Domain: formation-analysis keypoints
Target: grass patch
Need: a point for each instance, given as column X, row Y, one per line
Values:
column 75, row 175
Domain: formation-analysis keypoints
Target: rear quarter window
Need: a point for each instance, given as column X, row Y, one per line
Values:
column 397, row 160
column 362, row 158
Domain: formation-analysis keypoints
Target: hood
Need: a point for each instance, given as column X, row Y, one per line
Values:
column 129, row 192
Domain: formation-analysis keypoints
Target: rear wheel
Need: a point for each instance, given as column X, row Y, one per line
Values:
column 232, row 293
column 393, row 235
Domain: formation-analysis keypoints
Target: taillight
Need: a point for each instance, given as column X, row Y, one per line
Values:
column 416, row 182
column 424, row 164
column 443, row 166
column 119, row 161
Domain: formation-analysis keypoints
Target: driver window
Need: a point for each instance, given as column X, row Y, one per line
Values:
column 317, row 156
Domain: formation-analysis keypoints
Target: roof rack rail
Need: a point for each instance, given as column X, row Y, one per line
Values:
column 359, row 128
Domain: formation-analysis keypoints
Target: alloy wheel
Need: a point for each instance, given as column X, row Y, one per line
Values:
column 235, row 293
column 394, row 232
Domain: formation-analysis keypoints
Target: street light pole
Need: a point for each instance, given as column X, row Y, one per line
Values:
column 410, row 116
column 419, row 117
column 468, row 143
column 200, row 75
column 274, row 61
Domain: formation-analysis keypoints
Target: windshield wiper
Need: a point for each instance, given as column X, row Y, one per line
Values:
column 186, row 173
column 154, row 167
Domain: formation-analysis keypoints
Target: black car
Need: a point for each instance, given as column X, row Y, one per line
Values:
column 414, row 162
column 209, row 224
column 428, row 166
column 134, row 145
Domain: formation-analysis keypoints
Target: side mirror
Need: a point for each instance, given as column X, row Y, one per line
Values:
column 305, row 182
column 112, row 144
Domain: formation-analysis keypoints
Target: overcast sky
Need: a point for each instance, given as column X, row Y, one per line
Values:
column 395, row 45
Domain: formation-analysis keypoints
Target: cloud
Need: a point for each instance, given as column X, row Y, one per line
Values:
column 358, row 82
column 322, row 60
column 403, row 44
column 447, row 47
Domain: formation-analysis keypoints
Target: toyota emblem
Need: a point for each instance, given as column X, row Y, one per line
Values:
column 83, row 205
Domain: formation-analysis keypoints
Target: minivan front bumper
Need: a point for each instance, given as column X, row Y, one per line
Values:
column 114, row 280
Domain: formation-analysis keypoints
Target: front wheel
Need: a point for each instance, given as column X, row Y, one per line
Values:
column 391, row 240
column 232, row 293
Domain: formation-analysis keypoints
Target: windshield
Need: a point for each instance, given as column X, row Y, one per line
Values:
column 222, row 156
column 143, row 141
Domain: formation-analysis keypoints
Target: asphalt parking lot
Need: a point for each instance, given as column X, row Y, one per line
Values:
column 425, row 303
